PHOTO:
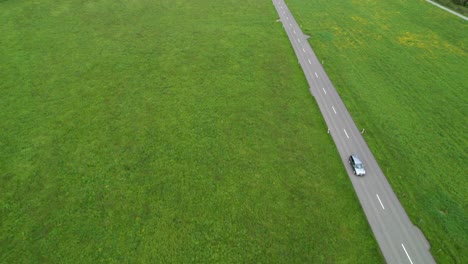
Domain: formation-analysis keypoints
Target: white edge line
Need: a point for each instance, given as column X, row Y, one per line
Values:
column 448, row 10
column 345, row 133
column 334, row 109
column 380, row 201
column 406, row 253
column 324, row 90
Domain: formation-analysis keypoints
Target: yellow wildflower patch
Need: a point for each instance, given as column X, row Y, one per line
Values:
column 359, row 19
column 427, row 42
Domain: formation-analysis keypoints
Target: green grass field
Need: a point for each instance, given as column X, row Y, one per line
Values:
column 401, row 68
column 165, row 132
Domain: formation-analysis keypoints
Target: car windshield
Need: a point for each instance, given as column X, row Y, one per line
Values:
column 359, row 166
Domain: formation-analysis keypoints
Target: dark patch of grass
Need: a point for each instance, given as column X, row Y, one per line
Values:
column 454, row 5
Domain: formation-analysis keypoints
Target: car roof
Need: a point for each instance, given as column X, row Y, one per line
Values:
column 356, row 158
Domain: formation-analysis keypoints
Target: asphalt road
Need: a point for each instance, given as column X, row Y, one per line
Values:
column 399, row 240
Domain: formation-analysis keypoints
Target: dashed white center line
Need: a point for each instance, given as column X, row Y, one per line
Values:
column 324, row 90
column 290, row 24
column 316, row 75
column 309, row 61
column 334, row 109
column 380, row 201
column 287, row 18
column 294, row 31
column 403, row 246
column 303, row 50
column 345, row 133
column 299, row 40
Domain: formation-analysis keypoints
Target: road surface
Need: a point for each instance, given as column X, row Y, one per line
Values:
column 448, row 10
column 399, row 240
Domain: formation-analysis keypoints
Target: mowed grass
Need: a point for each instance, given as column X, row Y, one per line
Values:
column 165, row 132
column 401, row 68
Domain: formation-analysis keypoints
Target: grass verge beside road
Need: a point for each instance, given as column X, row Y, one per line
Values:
column 400, row 67
column 165, row 131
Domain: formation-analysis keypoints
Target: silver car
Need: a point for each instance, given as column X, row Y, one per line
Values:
column 358, row 167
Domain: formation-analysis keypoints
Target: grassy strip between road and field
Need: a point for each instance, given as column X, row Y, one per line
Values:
column 400, row 67
column 165, row 132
